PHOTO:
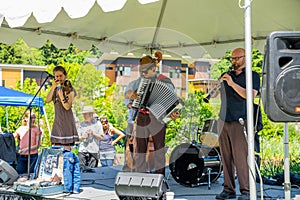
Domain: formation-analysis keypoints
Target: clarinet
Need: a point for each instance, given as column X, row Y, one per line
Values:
column 218, row 86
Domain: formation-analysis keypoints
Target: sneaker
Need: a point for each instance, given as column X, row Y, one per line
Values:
column 76, row 191
column 244, row 196
column 226, row 195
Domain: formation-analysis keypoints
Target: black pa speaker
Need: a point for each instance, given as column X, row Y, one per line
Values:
column 8, row 175
column 281, row 77
column 133, row 185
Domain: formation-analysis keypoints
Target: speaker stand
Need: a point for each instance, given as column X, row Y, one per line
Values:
column 287, row 182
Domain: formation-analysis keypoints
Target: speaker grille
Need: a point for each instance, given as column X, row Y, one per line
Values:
column 287, row 90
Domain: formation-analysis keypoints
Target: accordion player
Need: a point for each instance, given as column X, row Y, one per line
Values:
column 155, row 96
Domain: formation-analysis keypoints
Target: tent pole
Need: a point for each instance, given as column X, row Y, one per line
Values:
column 250, row 129
column 6, row 112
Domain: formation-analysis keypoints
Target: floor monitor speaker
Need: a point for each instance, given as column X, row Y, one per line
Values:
column 8, row 175
column 132, row 185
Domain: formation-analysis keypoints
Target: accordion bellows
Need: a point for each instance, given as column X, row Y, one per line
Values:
column 158, row 98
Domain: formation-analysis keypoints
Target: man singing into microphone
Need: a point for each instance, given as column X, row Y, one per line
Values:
column 233, row 144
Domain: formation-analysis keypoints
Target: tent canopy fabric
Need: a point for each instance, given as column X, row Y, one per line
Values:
column 191, row 27
column 10, row 97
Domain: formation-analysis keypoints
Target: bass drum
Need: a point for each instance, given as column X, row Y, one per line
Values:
column 190, row 164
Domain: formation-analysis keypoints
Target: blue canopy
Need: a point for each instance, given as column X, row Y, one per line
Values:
column 10, row 97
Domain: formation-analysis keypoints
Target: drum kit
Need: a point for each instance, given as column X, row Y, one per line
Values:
column 198, row 163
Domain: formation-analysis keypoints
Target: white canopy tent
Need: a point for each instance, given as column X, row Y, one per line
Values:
column 211, row 27
column 214, row 25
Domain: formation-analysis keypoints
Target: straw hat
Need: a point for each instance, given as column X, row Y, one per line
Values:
column 88, row 109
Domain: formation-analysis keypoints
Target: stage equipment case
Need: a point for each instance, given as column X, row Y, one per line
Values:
column 48, row 175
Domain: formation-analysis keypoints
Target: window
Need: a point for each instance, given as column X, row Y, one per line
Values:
column 174, row 73
column 191, row 71
column 124, row 71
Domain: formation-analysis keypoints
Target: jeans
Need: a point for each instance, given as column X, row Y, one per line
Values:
column 22, row 166
column 108, row 162
column 71, row 172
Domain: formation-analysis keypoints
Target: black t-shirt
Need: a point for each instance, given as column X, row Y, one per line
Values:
column 233, row 106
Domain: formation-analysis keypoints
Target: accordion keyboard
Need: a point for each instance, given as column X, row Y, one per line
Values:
column 142, row 89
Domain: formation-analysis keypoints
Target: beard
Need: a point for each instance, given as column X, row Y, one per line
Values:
column 237, row 67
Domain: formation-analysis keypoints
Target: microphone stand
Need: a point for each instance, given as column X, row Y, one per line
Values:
column 29, row 130
column 241, row 121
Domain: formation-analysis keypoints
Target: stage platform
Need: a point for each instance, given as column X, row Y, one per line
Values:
column 100, row 186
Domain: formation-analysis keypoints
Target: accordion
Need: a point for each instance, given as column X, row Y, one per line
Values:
column 158, row 98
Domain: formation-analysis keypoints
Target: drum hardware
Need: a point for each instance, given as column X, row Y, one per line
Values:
column 208, row 173
column 193, row 165
column 209, row 135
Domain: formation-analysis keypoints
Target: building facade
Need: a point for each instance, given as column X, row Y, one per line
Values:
column 10, row 74
column 123, row 69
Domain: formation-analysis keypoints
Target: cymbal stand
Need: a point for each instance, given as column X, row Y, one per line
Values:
column 194, row 134
column 209, row 182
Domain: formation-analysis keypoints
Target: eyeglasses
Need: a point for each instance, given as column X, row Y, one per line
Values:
column 237, row 58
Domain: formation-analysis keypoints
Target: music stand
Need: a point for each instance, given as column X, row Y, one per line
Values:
column 29, row 130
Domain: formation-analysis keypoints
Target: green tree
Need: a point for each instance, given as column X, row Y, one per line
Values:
column 4, row 52
column 50, row 54
column 119, row 110
column 106, row 101
column 193, row 115
column 74, row 55
column 88, row 83
column 55, row 56
column 20, row 53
